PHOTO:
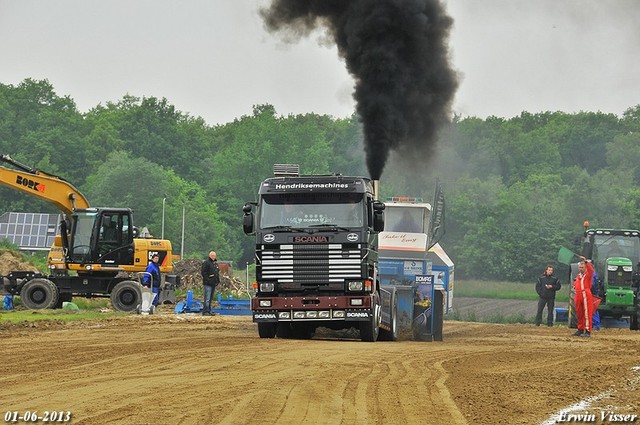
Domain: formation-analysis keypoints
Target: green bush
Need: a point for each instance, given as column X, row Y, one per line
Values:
column 7, row 245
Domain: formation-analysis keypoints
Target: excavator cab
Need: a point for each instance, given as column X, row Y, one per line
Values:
column 101, row 236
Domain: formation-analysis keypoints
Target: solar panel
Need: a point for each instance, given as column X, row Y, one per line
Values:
column 29, row 231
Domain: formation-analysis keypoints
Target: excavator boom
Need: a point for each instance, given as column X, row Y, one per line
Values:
column 49, row 187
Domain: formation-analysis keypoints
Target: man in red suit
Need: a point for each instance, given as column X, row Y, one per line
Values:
column 583, row 298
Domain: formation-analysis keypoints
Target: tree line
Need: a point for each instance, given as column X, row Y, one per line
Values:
column 516, row 189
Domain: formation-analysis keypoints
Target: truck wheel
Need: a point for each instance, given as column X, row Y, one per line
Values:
column 391, row 335
column 267, row 330
column 370, row 329
column 126, row 296
column 39, row 293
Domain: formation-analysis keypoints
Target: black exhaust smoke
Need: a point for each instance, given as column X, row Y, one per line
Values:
column 396, row 50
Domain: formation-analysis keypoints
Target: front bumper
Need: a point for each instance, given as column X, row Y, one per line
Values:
column 325, row 308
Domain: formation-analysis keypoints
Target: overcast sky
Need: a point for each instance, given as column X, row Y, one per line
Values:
column 213, row 58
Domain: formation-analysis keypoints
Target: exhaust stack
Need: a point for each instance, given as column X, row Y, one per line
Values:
column 376, row 190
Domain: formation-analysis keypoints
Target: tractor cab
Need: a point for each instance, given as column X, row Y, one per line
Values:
column 601, row 245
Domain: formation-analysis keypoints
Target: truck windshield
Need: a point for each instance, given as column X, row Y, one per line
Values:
column 404, row 219
column 311, row 210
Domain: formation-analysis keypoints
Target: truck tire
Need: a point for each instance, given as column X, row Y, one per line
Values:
column 126, row 296
column 438, row 315
column 267, row 330
column 391, row 335
column 370, row 329
column 38, row 294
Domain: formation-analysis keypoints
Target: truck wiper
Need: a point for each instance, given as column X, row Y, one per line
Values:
column 284, row 229
column 331, row 227
column 278, row 228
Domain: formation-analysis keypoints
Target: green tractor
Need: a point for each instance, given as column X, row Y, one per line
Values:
column 619, row 292
column 616, row 256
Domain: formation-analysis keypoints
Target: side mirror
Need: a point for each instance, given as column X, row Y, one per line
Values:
column 247, row 219
column 378, row 216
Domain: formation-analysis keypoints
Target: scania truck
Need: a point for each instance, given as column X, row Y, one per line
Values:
column 316, row 256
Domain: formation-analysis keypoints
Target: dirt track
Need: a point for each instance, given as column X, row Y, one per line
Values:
column 168, row 369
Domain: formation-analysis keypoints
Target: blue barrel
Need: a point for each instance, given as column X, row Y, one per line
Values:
column 562, row 314
column 8, row 302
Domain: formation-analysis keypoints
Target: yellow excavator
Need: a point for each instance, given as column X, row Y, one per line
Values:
column 95, row 254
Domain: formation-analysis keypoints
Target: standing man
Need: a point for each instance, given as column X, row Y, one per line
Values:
column 210, row 279
column 152, row 277
column 584, row 299
column 546, row 287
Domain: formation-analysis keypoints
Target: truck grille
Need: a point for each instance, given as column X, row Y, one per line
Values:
column 318, row 266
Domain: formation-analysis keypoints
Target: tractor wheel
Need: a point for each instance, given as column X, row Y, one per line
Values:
column 267, row 330
column 370, row 329
column 126, row 296
column 39, row 293
column 635, row 317
column 391, row 335
column 573, row 318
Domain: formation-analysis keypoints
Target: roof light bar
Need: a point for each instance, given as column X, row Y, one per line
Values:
column 403, row 199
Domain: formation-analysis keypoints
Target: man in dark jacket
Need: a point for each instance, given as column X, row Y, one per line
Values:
column 546, row 287
column 210, row 279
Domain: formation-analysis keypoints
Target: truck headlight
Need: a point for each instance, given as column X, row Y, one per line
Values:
column 355, row 286
column 356, row 301
column 265, row 303
column 267, row 287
